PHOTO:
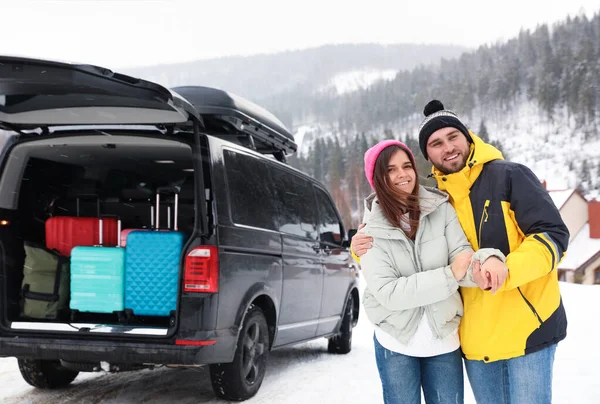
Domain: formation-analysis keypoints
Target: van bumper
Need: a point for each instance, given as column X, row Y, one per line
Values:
column 118, row 352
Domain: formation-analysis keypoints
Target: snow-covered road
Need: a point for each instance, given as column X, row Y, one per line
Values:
column 308, row 374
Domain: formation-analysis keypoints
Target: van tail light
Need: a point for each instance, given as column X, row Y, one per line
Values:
column 202, row 270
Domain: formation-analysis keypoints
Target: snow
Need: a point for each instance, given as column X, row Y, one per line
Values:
column 350, row 81
column 593, row 195
column 581, row 249
column 560, row 197
column 307, row 373
column 300, row 136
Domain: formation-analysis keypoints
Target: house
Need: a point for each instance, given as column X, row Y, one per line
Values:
column 582, row 261
column 573, row 208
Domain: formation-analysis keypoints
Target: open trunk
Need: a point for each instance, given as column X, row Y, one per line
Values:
column 77, row 174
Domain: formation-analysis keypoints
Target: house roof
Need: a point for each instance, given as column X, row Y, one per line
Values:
column 560, row 197
column 581, row 249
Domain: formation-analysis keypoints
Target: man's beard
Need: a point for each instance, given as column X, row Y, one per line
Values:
column 450, row 170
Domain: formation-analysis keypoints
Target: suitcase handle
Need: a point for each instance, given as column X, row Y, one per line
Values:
column 168, row 190
column 100, row 230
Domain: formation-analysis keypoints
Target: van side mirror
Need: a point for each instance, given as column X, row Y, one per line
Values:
column 331, row 238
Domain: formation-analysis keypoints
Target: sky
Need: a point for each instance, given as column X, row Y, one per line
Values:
column 131, row 33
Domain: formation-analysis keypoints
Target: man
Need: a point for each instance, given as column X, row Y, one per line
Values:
column 511, row 326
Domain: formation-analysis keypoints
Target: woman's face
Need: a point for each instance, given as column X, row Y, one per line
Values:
column 401, row 172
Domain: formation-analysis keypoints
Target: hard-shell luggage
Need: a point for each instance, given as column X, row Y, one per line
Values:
column 45, row 286
column 98, row 277
column 65, row 232
column 152, row 262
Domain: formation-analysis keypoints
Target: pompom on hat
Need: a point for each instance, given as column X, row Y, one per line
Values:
column 436, row 117
column 373, row 153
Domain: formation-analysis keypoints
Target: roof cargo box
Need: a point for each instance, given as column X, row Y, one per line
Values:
column 243, row 121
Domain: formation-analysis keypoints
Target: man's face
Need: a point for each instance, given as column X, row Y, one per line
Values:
column 448, row 150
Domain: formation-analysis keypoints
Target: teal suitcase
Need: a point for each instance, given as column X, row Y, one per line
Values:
column 98, row 278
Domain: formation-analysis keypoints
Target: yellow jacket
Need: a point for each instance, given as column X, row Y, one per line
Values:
column 503, row 205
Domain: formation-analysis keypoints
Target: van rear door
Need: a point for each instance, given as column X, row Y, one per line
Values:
column 39, row 93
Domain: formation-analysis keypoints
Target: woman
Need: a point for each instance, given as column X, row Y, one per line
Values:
column 419, row 256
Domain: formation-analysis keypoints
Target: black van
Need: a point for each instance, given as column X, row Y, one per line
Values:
column 265, row 261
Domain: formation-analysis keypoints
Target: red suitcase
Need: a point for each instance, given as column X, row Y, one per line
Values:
column 65, row 232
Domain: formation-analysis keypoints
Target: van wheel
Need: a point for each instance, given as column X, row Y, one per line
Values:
column 45, row 374
column 342, row 343
column 241, row 379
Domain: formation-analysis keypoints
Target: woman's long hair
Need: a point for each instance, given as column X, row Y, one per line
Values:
column 393, row 201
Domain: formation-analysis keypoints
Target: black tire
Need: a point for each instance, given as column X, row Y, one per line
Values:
column 45, row 374
column 241, row 379
column 342, row 343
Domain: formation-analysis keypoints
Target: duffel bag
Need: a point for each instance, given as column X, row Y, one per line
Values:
column 45, row 287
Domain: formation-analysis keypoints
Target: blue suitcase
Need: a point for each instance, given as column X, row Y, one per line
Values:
column 152, row 264
column 98, row 278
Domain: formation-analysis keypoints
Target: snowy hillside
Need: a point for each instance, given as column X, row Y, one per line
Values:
column 299, row 72
column 350, row 81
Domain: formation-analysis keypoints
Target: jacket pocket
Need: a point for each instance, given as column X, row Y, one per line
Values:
column 534, row 311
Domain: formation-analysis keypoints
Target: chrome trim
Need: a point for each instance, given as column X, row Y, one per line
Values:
column 89, row 328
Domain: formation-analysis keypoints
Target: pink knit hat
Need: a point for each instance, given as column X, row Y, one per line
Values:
column 374, row 152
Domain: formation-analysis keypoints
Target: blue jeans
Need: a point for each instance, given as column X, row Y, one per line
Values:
column 526, row 379
column 403, row 376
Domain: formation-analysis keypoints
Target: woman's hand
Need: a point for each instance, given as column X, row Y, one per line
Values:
column 460, row 265
column 361, row 242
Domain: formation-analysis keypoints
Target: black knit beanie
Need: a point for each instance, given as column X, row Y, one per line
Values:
column 436, row 117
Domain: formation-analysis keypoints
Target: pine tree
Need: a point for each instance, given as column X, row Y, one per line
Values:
column 483, row 132
column 584, row 177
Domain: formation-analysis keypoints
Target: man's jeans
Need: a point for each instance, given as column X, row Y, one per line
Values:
column 523, row 380
column 402, row 377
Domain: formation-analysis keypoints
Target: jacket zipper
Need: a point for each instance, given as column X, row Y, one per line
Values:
column 530, row 306
column 484, row 219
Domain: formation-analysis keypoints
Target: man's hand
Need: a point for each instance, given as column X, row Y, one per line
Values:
column 491, row 275
column 361, row 242
column 460, row 265
column 497, row 271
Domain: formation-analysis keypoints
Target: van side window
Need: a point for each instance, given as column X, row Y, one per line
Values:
column 296, row 202
column 331, row 229
column 250, row 197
